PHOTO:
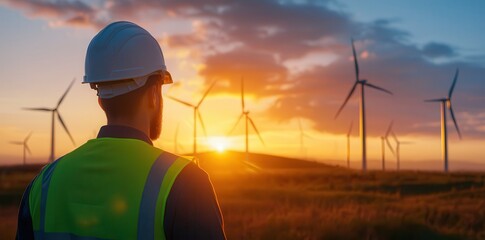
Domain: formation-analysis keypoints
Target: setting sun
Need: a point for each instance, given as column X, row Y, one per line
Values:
column 218, row 143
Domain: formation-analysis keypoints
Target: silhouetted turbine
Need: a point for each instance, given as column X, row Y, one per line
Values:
column 248, row 120
column 384, row 141
column 446, row 103
column 398, row 150
column 362, row 83
column 196, row 114
column 25, row 146
column 302, row 137
column 55, row 111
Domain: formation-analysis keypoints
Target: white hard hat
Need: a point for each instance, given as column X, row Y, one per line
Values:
column 121, row 58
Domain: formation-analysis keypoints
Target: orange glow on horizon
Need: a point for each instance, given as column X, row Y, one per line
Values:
column 218, row 143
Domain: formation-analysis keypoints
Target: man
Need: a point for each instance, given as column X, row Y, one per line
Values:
column 118, row 186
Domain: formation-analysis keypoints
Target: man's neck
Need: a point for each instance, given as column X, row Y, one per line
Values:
column 137, row 124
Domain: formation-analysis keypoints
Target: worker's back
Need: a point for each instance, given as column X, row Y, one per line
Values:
column 114, row 172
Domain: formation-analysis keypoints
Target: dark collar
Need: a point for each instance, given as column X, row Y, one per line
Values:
column 119, row 131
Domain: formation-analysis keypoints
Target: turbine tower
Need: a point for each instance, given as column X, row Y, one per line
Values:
column 248, row 119
column 384, row 141
column 446, row 103
column 55, row 112
column 363, row 83
column 24, row 144
column 348, row 144
column 197, row 114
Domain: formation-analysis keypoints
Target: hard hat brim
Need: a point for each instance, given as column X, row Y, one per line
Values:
column 167, row 78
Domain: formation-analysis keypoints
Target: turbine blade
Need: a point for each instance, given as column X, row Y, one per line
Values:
column 395, row 137
column 202, row 123
column 242, row 93
column 255, row 129
column 346, row 99
column 389, row 129
column 207, row 92
column 355, row 61
column 454, row 120
column 28, row 136
column 454, row 83
column 16, row 142
column 65, row 127
column 39, row 109
column 27, row 148
column 435, row 100
column 65, row 93
column 378, row 88
column 390, row 146
column 180, row 101
column 299, row 125
column 235, row 125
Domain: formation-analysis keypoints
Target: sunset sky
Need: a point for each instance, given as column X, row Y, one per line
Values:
column 295, row 57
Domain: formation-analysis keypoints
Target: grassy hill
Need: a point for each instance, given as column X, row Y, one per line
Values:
column 232, row 161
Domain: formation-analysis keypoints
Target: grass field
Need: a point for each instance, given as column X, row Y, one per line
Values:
column 276, row 198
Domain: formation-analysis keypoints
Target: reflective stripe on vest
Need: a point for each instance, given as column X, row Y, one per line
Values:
column 162, row 175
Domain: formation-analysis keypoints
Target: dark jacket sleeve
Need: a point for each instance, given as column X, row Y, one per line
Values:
column 25, row 229
column 192, row 210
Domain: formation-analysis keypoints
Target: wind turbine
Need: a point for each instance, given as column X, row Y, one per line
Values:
column 398, row 149
column 362, row 83
column 348, row 144
column 24, row 144
column 446, row 103
column 302, row 137
column 248, row 119
column 196, row 114
column 55, row 111
column 384, row 141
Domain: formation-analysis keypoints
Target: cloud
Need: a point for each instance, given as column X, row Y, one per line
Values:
column 263, row 75
column 73, row 13
column 437, row 50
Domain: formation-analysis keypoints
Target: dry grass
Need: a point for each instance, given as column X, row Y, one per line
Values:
column 318, row 204
column 327, row 203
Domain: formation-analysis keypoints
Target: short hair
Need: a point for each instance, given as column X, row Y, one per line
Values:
column 128, row 103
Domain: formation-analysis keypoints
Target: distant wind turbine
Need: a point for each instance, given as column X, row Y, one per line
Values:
column 196, row 114
column 398, row 149
column 362, row 83
column 348, row 144
column 446, row 103
column 55, row 111
column 384, row 141
column 24, row 144
column 303, row 135
column 248, row 120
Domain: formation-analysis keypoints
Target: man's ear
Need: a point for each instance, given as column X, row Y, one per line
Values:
column 101, row 103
